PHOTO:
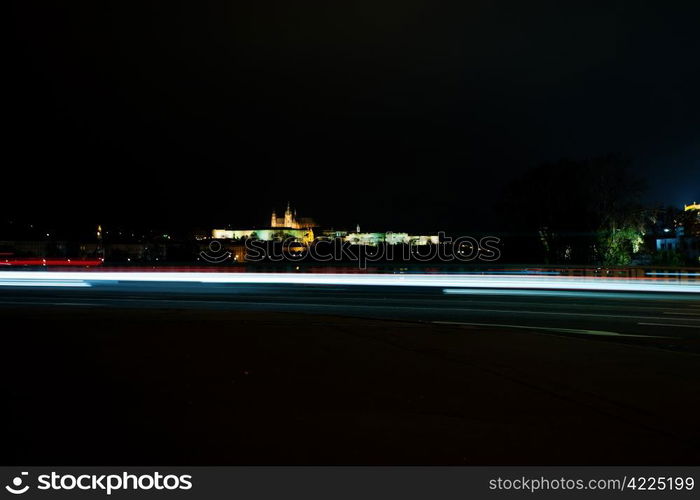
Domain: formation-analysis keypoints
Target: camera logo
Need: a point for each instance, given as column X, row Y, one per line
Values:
column 216, row 254
column 15, row 489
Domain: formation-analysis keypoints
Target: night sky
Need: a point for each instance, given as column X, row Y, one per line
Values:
column 392, row 114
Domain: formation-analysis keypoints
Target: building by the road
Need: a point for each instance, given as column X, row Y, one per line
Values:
column 691, row 220
column 684, row 238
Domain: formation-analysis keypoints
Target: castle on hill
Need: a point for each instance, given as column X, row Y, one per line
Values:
column 306, row 230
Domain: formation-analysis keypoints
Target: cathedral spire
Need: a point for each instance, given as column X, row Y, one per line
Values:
column 288, row 218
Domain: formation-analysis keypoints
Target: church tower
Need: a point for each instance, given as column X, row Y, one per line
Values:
column 288, row 219
column 273, row 219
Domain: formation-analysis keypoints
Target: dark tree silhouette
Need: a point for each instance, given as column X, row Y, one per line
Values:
column 581, row 211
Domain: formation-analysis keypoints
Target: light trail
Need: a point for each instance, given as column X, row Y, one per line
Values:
column 451, row 283
column 669, row 325
column 601, row 333
column 669, row 274
column 44, row 283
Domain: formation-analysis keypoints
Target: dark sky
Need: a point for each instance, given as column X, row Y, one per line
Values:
column 395, row 114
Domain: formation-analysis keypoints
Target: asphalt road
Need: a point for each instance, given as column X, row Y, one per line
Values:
column 669, row 320
column 197, row 373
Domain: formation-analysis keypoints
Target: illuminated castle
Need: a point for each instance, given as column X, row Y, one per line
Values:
column 290, row 220
column 302, row 229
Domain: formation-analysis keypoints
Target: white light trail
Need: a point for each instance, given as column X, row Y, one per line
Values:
column 44, row 283
column 451, row 282
column 674, row 274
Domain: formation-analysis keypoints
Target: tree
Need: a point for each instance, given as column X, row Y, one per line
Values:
column 580, row 211
column 614, row 198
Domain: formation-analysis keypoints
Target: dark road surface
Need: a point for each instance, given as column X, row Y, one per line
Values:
column 144, row 373
column 668, row 319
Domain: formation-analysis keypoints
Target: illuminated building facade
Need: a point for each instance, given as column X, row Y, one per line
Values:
column 304, row 235
column 300, row 229
column 691, row 221
column 290, row 220
column 687, row 235
column 307, row 236
column 374, row 239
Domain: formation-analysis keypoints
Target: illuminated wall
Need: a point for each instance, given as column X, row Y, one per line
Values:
column 307, row 236
column 230, row 234
column 390, row 238
column 260, row 234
